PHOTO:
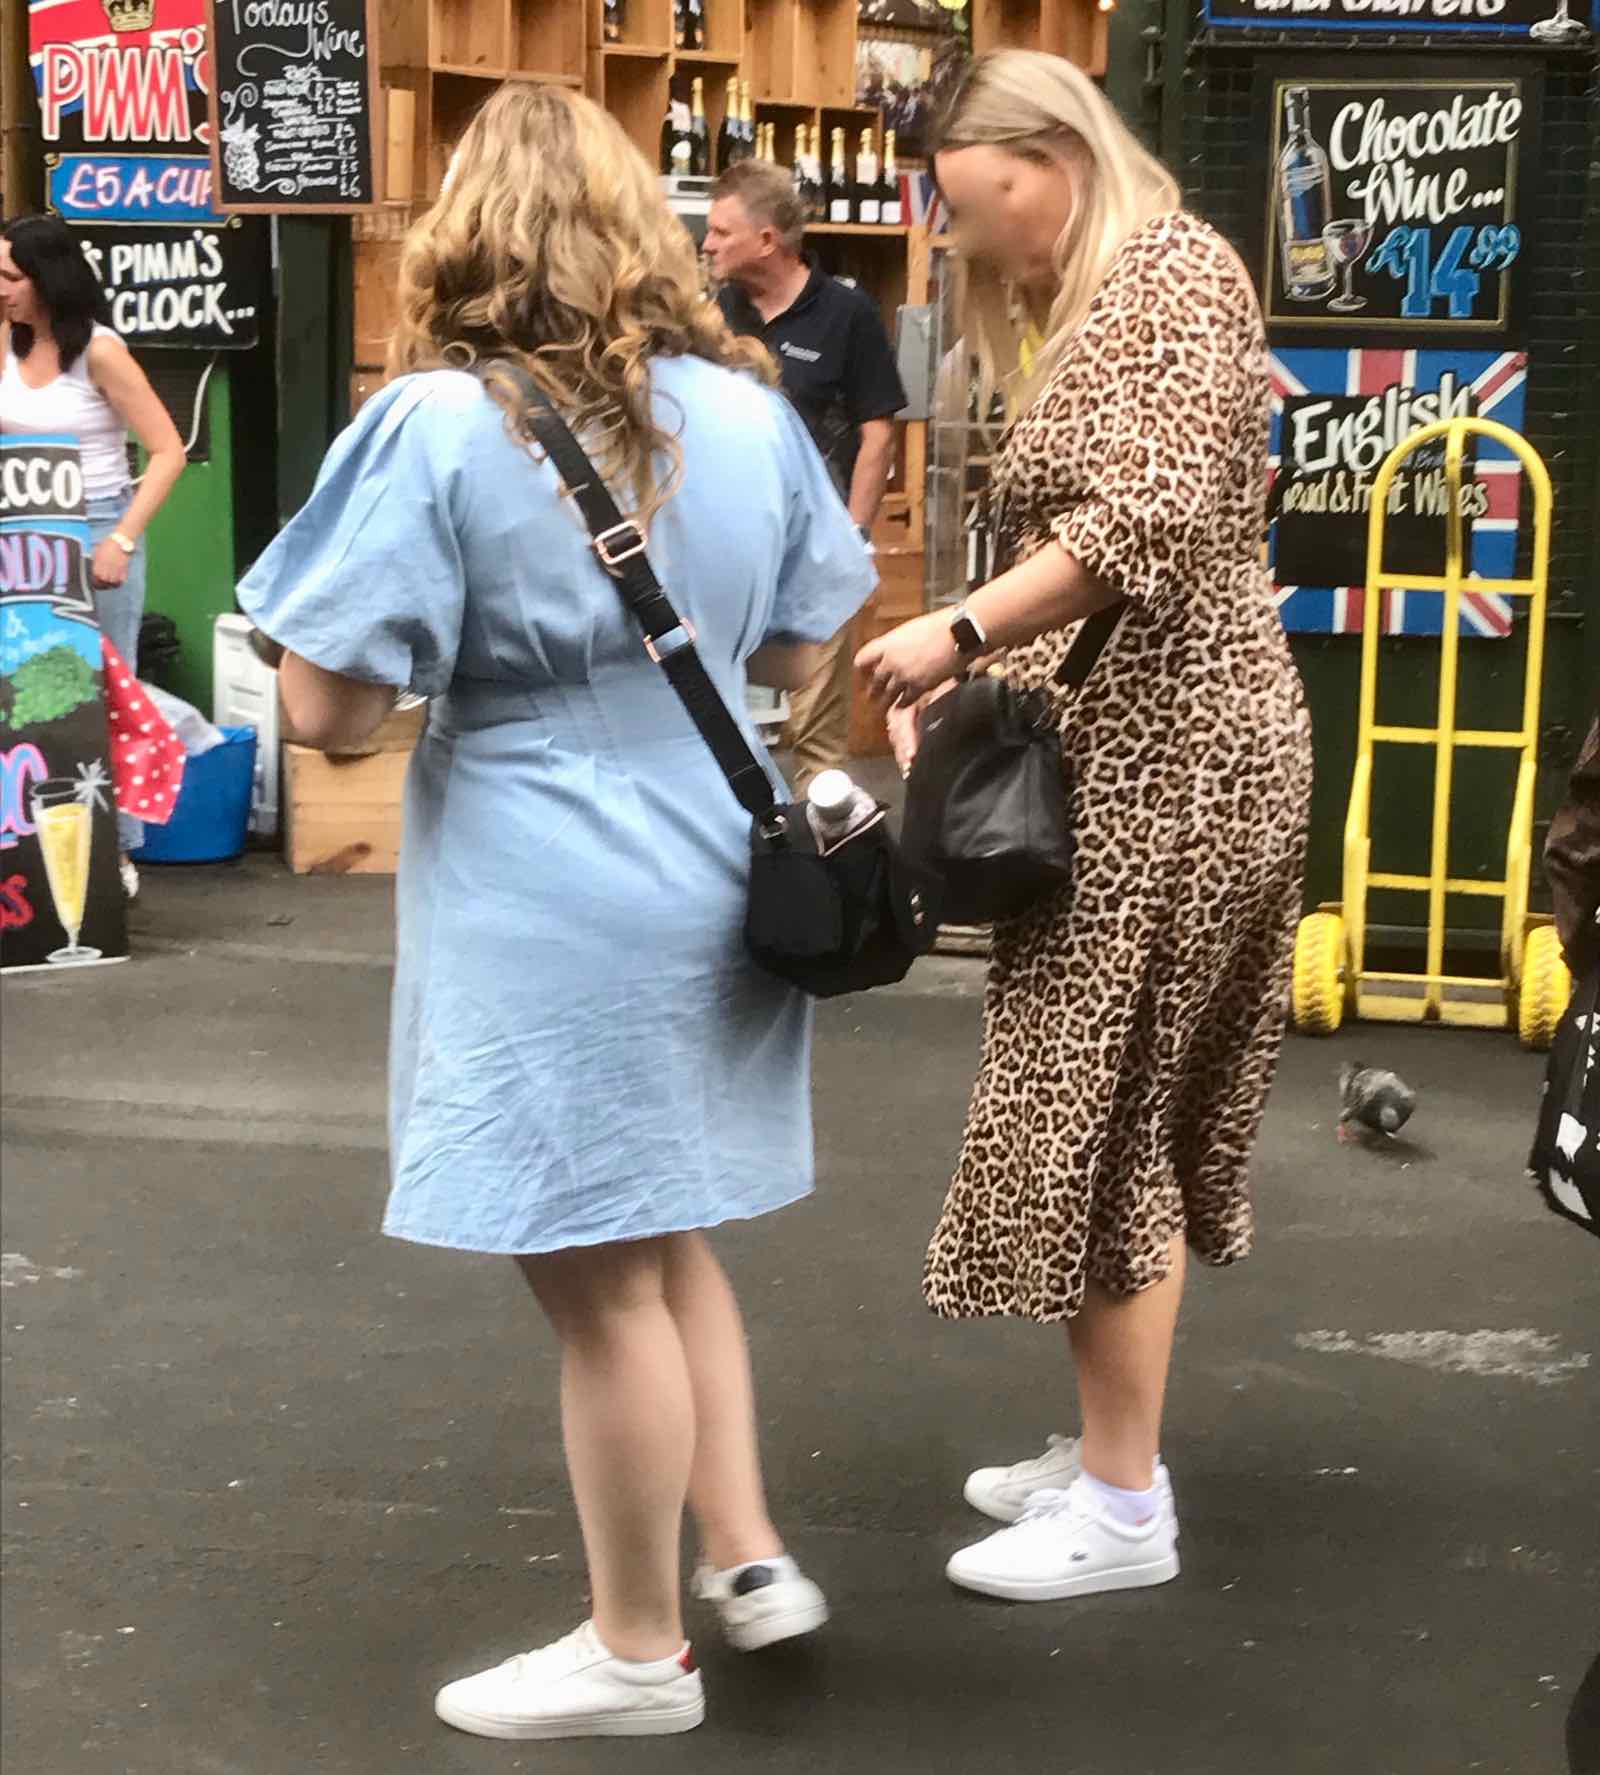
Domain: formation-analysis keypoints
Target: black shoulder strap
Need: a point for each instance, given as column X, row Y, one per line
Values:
column 1087, row 648
column 620, row 546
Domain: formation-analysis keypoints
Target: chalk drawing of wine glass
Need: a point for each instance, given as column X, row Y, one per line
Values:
column 1347, row 242
column 1561, row 27
column 63, row 819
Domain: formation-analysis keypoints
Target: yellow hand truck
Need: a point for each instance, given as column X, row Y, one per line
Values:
column 1331, row 979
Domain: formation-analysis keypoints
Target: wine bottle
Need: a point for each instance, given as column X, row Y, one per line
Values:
column 818, row 208
column 869, row 197
column 891, row 212
column 615, row 12
column 699, row 134
column 728, row 134
column 839, row 205
column 676, row 149
column 1305, row 205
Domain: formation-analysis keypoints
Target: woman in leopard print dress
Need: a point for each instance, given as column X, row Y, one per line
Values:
column 1132, row 1029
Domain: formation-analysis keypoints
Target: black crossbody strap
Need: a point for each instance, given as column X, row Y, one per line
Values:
column 1087, row 648
column 619, row 545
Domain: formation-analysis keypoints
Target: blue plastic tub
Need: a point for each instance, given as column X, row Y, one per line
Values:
column 212, row 816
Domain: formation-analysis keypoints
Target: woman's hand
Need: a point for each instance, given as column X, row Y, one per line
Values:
column 904, row 725
column 914, row 658
column 109, row 565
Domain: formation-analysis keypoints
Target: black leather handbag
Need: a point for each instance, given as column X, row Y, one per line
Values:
column 988, row 802
column 831, row 920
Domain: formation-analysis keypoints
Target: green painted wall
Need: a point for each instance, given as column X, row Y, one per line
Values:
column 191, row 550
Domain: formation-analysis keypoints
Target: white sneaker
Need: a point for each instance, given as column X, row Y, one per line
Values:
column 1065, row 1545
column 763, row 1603
column 1003, row 1492
column 576, row 1689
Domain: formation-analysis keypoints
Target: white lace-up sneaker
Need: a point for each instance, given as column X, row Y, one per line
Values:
column 1004, row 1492
column 576, row 1689
column 763, row 1603
column 1065, row 1545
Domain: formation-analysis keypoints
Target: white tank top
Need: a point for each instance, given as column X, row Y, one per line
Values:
column 72, row 404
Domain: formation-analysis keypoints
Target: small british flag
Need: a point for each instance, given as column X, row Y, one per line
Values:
column 1386, row 396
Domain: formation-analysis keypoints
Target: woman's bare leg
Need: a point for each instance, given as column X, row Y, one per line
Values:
column 627, row 1411
column 1122, row 1349
column 726, row 1493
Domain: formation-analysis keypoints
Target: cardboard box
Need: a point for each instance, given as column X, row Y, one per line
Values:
column 342, row 815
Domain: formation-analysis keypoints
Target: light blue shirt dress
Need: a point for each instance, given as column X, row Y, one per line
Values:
column 580, row 1049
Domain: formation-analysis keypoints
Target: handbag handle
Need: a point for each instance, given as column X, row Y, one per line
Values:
column 619, row 546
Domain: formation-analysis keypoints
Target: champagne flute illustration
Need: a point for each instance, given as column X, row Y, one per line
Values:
column 1561, row 27
column 1347, row 242
column 63, row 818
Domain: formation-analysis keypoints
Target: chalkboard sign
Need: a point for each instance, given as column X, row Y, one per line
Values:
column 1393, row 203
column 294, row 105
column 1553, row 22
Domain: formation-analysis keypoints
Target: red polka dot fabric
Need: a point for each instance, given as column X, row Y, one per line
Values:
column 146, row 755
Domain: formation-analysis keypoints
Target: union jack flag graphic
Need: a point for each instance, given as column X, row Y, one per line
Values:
column 1497, row 386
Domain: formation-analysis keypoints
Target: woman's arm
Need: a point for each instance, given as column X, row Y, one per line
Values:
column 1048, row 591
column 326, row 710
column 119, row 378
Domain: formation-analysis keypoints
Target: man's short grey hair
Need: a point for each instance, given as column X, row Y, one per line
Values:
column 769, row 197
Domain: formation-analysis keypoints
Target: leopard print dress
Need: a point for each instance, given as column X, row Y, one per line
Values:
column 1131, row 1031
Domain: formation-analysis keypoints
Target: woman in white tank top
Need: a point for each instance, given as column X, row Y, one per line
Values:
column 63, row 370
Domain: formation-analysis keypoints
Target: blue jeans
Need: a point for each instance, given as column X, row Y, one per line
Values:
column 120, row 609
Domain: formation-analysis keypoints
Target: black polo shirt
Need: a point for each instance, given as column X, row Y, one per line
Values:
column 837, row 363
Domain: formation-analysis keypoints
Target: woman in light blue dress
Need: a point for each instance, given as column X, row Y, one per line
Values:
column 586, row 1069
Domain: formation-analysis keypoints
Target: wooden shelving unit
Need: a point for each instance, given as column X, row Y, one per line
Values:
column 445, row 57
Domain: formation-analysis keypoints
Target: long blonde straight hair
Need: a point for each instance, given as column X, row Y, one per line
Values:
column 1046, row 109
column 551, row 244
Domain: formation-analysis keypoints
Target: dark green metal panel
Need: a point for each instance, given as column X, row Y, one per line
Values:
column 191, row 573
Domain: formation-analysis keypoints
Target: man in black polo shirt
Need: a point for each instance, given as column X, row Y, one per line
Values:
column 839, row 371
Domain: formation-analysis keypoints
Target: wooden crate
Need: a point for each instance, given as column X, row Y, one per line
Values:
column 342, row 815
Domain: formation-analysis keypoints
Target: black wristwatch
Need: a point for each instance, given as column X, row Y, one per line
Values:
column 967, row 633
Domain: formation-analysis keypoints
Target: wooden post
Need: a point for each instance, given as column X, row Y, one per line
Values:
column 21, row 155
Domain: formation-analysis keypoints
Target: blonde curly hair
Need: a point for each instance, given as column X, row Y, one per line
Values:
column 551, row 245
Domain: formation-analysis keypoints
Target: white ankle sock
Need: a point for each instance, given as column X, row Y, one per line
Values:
column 1131, row 1508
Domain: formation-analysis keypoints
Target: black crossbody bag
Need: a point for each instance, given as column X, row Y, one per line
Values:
column 853, row 915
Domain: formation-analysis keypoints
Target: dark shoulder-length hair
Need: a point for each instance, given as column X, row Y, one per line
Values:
column 51, row 257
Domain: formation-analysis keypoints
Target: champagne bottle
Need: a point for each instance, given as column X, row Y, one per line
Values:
column 839, row 206
column 699, row 134
column 694, row 25
column 747, row 127
column 676, row 149
column 799, row 166
column 818, row 207
column 680, row 23
column 891, row 213
column 869, row 197
column 728, row 134
column 615, row 13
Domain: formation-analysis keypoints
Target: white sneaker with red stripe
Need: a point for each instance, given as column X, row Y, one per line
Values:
column 576, row 1688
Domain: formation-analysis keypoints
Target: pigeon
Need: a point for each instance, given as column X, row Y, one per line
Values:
column 1374, row 1100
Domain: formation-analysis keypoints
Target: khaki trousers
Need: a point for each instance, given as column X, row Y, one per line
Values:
column 818, row 729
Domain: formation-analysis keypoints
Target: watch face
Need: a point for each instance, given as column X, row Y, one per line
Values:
column 967, row 638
